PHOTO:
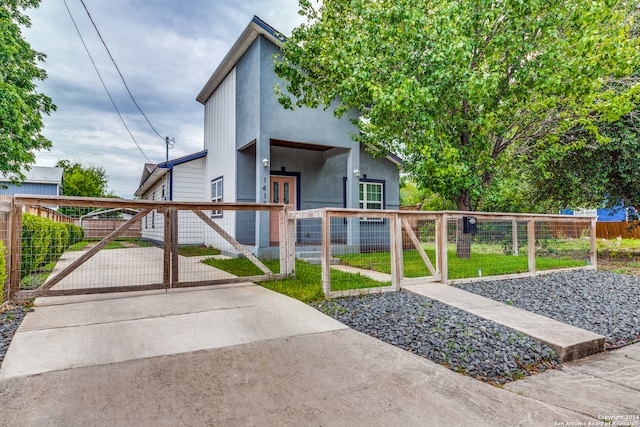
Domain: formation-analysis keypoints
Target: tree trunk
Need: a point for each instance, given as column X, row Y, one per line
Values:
column 463, row 241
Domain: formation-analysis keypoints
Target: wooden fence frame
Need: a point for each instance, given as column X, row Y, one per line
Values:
column 170, row 267
column 398, row 224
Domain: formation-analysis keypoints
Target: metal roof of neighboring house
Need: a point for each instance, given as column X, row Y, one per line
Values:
column 40, row 175
column 152, row 173
column 255, row 28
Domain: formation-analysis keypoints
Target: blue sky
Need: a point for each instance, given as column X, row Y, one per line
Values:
column 166, row 50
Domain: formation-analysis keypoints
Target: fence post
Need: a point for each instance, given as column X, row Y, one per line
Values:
column 395, row 256
column 531, row 244
column 593, row 251
column 441, row 247
column 16, row 249
column 287, row 242
column 174, row 247
column 514, row 235
column 167, row 249
column 326, row 252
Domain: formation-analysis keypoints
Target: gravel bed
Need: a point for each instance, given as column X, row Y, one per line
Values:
column 461, row 341
column 602, row 302
column 10, row 318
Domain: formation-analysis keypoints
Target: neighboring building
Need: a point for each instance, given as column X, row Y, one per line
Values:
column 180, row 180
column 616, row 214
column 260, row 152
column 40, row 180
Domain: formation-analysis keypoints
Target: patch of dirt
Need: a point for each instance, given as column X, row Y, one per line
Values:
column 129, row 245
column 617, row 266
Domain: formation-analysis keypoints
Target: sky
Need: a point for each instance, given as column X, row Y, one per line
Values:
column 165, row 49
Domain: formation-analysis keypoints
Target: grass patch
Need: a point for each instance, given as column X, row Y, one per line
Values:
column 189, row 251
column 37, row 278
column 485, row 263
column 307, row 284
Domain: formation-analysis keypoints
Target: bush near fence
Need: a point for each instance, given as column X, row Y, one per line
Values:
column 44, row 240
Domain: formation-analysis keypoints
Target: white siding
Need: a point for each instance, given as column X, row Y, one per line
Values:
column 153, row 223
column 220, row 142
column 188, row 186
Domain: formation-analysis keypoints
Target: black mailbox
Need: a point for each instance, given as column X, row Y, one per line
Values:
column 469, row 224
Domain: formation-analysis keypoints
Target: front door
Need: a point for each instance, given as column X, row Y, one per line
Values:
column 283, row 190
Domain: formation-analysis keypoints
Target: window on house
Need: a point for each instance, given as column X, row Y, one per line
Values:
column 216, row 196
column 153, row 212
column 371, row 195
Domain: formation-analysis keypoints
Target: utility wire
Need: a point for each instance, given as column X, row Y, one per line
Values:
column 118, row 69
column 103, row 84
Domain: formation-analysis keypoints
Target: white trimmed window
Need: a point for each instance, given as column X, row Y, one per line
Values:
column 216, row 196
column 371, row 195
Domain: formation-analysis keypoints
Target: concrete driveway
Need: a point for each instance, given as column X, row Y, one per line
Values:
column 243, row 355
column 133, row 266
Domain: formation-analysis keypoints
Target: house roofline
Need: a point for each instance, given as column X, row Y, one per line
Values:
column 185, row 159
column 161, row 169
column 255, row 28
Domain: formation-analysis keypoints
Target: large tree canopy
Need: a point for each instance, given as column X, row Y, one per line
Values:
column 456, row 87
column 21, row 106
column 597, row 174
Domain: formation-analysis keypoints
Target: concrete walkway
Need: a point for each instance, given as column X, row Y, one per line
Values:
column 569, row 342
column 243, row 355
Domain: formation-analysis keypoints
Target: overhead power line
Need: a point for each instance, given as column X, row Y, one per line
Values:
column 118, row 69
column 103, row 83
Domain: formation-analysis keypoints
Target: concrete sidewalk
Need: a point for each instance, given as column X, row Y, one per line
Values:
column 243, row 355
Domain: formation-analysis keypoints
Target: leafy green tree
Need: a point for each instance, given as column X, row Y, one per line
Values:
column 21, row 106
column 459, row 88
column 411, row 194
column 595, row 174
column 83, row 181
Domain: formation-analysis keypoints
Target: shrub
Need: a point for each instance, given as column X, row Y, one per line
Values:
column 44, row 240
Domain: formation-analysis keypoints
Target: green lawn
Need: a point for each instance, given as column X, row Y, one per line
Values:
column 482, row 263
column 197, row 251
column 307, row 284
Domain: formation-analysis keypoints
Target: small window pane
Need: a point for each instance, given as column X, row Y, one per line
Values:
column 285, row 188
column 276, row 192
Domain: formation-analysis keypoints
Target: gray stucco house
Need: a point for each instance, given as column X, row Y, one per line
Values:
column 257, row 151
column 40, row 180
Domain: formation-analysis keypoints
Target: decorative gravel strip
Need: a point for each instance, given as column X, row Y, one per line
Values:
column 602, row 302
column 461, row 341
column 10, row 318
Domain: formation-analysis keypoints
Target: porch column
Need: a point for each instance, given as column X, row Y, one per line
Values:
column 353, row 195
column 263, row 151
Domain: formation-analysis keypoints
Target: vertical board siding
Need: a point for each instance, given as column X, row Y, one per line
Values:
column 220, row 142
column 148, row 231
column 188, row 186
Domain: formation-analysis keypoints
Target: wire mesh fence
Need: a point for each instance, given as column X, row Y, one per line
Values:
column 5, row 245
column 73, row 245
column 103, row 245
column 402, row 248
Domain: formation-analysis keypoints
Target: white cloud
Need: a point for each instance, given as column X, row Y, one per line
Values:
column 166, row 51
